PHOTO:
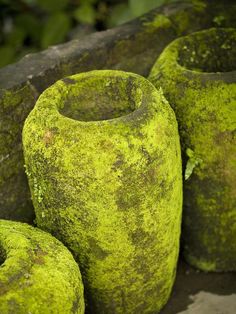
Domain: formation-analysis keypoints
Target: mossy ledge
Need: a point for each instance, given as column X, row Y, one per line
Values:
column 198, row 77
column 106, row 180
column 38, row 274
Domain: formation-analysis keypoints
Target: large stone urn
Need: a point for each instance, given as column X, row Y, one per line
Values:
column 102, row 156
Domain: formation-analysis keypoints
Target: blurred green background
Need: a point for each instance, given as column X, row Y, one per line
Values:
column 28, row 26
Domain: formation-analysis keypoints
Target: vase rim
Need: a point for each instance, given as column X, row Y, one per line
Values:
column 145, row 86
column 177, row 46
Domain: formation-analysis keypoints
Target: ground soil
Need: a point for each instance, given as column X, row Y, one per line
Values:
column 196, row 292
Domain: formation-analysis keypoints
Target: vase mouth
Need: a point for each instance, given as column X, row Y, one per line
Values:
column 209, row 51
column 101, row 95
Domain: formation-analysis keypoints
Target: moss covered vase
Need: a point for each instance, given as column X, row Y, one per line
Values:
column 37, row 273
column 198, row 77
column 102, row 156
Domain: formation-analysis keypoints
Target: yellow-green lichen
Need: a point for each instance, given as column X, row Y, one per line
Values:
column 112, row 178
column 159, row 21
column 219, row 19
column 37, row 273
column 192, row 162
column 204, row 100
column 134, row 49
column 15, row 200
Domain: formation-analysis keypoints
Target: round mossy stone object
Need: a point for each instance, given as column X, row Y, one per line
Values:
column 102, row 155
column 38, row 274
column 198, row 77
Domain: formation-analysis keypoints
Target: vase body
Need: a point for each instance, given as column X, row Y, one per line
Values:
column 103, row 150
column 37, row 273
column 197, row 74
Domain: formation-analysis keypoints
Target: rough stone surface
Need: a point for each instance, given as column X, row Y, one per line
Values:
column 37, row 273
column 102, row 156
column 198, row 77
column 130, row 47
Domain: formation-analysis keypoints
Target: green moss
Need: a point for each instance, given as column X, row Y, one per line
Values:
column 135, row 52
column 112, row 185
column 182, row 21
column 192, row 162
column 38, row 274
column 159, row 21
column 218, row 20
column 201, row 263
column 205, row 107
column 15, row 200
column 199, row 4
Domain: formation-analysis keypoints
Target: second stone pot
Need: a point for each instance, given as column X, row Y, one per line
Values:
column 198, row 77
column 103, row 160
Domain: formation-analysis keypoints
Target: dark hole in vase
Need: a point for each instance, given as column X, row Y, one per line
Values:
column 2, row 256
column 101, row 98
column 209, row 52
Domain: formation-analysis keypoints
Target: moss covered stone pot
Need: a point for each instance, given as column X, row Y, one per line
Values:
column 38, row 274
column 198, row 77
column 102, row 156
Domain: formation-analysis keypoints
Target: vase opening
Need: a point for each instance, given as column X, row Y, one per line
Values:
column 212, row 52
column 101, row 98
